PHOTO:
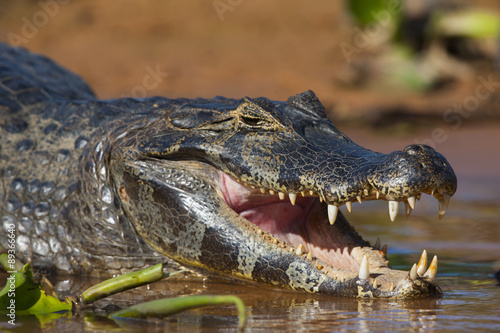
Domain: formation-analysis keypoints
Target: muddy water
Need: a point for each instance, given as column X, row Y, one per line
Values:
column 467, row 242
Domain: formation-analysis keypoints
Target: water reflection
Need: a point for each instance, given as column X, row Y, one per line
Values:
column 268, row 309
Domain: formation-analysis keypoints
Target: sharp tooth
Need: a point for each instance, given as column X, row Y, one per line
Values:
column 332, row 213
column 271, row 192
column 433, row 190
column 358, row 197
column 393, row 209
column 407, row 209
column 303, row 193
column 384, row 250
column 374, row 284
column 433, row 267
column 311, row 192
column 365, row 191
column 446, row 198
column 298, row 251
column 281, row 195
column 411, row 201
column 413, row 272
column 377, row 244
column 292, row 197
column 263, row 190
column 442, row 208
column 321, row 198
column 391, row 287
column 377, row 195
column 364, row 272
column 348, row 204
column 443, row 203
column 422, row 263
column 309, row 256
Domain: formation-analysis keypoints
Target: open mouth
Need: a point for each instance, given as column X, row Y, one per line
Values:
column 304, row 224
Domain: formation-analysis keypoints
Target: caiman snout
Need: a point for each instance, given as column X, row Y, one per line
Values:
column 433, row 167
column 402, row 176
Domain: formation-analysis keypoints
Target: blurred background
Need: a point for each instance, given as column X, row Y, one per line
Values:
column 388, row 74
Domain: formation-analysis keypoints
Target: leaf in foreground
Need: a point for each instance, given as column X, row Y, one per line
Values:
column 165, row 307
column 27, row 296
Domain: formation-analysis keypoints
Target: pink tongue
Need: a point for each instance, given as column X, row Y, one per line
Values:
column 288, row 222
column 275, row 218
column 264, row 210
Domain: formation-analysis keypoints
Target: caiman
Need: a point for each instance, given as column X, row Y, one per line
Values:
column 245, row 188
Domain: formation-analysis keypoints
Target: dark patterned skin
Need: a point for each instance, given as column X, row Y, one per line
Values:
column 103, row 187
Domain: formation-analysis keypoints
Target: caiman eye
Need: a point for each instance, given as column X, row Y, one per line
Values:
column 255, row 123
column 257, row 114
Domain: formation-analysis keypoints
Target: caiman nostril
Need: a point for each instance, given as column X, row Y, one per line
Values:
column 419, row 150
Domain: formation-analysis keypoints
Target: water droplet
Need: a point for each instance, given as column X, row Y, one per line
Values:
column 98, row 150
column 23, row 243
column 8, row 222
column 60, row 193
column 12, row 204
column 102, row 172
column 55, row 245
column 34, row 186
column 40, row 247
column 42, row 209
column 28, row 207
column 25, row 225
column 40, row 227
column 81, row 142
column 62, row 264
column 18, row 184
column 47, row 187
column 106, row 195
column 54, row 214
column 109, row 216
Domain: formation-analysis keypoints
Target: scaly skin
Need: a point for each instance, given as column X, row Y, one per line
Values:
column 103, row 187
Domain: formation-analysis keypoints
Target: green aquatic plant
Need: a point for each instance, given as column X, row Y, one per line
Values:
column 26, row 293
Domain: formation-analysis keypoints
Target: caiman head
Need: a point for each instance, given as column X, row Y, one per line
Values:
column 252, row 188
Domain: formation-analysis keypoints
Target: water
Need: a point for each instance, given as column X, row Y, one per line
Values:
column 466, row 242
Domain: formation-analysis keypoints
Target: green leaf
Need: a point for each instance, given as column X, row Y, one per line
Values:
column 26, row 296
column 472, row 23
column 125, row 282
column 375, row 11
column 19, row 290
column 8, row 261
column 169, row 306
